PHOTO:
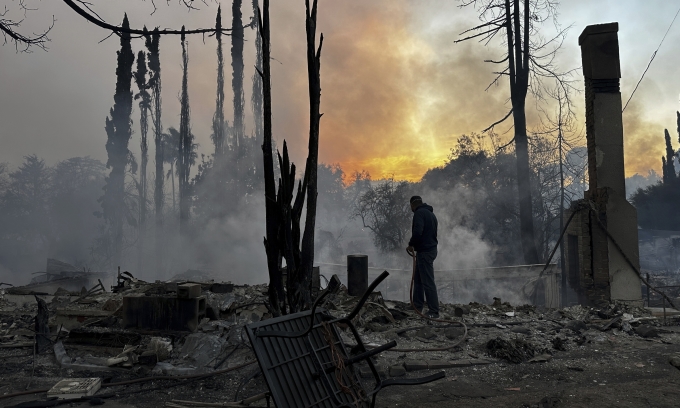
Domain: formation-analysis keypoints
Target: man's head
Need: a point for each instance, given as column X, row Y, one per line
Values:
column 416, row 202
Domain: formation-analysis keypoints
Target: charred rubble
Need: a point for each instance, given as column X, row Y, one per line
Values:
column 195, row 332
column 193, row 341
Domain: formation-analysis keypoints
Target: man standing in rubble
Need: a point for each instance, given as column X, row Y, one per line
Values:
column 424, row 242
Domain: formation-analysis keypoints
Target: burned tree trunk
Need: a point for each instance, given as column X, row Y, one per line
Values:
column 289, row 228
column 256, row 97
column 220, row 164
column 526, row 218
column 271, row 244
column 313, row 71
column 185, row 143
column 518, row 58
column 218, row 118
column 119, row 131
column 144, row 104
column 255, row 170
column 152, row 46
column 237, row 87
column 283, row 218
column 529, row 57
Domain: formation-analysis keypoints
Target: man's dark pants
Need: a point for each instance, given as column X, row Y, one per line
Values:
column 423, row 284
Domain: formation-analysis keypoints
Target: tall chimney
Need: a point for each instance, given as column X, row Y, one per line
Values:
column 604, row 125
column 596, row 268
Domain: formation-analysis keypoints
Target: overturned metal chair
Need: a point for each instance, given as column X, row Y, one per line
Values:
column 306, row 364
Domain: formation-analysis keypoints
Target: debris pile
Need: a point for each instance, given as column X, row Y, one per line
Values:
column 515, row 350
column 59, row 277
column 89, row 335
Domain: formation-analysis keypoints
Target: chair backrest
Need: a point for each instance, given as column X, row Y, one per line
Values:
column 302, row 371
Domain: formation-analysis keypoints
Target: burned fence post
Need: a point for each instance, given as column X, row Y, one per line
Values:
column 357, row 274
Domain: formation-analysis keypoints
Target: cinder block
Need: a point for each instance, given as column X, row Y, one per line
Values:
column 188, row 290
column 163, row 312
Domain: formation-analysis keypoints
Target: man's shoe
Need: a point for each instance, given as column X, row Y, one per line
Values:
column 433, row 316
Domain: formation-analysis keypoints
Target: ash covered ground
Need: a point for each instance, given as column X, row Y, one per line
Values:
column 512, row 355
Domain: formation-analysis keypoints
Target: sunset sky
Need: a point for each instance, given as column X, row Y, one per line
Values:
column 396, row 91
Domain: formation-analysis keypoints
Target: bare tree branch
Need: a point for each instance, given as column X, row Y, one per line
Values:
column 492, row 22
column 498, row 62
column 498, row 122
column 506, row 145
column 118, row 30
column 9, row 27
column 478, row 35
column 495, row 81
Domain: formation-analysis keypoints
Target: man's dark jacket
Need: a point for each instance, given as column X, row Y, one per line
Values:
column 424, row 229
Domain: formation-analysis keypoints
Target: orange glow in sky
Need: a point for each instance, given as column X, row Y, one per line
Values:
column 397, row 92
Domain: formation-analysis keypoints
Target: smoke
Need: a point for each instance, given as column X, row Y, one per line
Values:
column 637, row 182
column 396, row 93
column 231, row 248
column 383, row 78
column 459, row 246
column 396, row 90
column 462, row 249
column 643, row 140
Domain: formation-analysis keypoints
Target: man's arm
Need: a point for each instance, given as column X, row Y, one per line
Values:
column 417, row 231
